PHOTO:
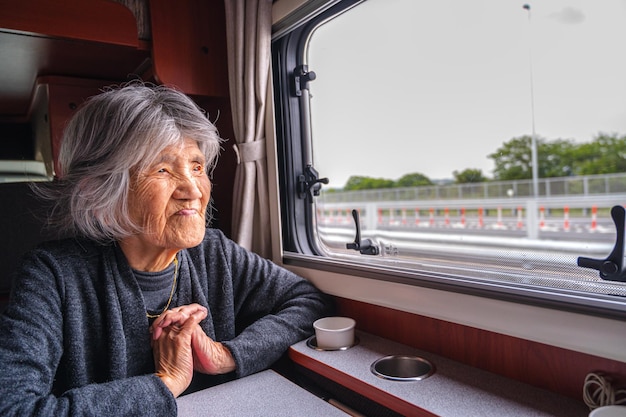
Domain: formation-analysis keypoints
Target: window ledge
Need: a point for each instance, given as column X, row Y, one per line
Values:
column 599, row 336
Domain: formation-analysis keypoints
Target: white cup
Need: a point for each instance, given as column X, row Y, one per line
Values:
column 334, row 332
column 609, row 411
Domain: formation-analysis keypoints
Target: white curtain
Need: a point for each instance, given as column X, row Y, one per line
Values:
column 248, row 35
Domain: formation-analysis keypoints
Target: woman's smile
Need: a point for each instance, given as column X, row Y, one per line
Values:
column 187, row 212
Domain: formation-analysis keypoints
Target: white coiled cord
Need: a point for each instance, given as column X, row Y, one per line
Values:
column 598, row 392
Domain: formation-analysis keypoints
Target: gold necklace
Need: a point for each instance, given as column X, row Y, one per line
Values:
column 154, row 316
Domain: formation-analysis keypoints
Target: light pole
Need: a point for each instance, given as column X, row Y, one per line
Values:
column 533, row 143
column 532, row 203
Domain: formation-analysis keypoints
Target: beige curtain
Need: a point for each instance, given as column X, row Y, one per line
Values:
column 248, row 35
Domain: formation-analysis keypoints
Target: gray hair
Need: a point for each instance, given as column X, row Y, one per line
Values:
column 112, row 135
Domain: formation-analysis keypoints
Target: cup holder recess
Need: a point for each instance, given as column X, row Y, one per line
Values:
column 402, row 368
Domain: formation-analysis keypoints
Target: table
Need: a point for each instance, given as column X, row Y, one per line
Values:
column 263, row 394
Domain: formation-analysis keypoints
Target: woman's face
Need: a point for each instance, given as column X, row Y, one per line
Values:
column 169, row 199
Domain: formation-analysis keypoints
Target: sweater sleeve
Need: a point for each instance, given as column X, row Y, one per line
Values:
column 274, row 309
column 31, row 347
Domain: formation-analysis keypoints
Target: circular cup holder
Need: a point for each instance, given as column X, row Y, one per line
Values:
column 312, row 343
column 402, row 368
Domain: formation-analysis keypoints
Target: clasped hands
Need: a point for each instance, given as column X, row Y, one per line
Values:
column 180, row 346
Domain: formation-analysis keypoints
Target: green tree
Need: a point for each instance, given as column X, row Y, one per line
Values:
column 357, row 182
column 413, row 180
column 556, row 158
column 469, row 175
column 606, row 154
column 513, row 160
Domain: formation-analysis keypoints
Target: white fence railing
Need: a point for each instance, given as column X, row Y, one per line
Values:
column 581, row 186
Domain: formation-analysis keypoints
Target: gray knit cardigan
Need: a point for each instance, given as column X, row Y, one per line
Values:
column 74, row 339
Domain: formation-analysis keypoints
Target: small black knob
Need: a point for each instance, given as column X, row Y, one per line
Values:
column 609, row 268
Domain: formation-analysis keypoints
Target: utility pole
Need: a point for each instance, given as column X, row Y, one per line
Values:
column 531, row 211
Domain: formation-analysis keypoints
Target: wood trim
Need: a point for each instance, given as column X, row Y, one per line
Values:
column 93, row 20
column 189, row 45
column 555, row 369
column 381, row 397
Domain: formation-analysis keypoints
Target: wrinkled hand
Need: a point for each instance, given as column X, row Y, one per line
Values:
column 209, row 356
column 172, row 334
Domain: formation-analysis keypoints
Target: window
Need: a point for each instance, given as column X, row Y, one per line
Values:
column 483, row 144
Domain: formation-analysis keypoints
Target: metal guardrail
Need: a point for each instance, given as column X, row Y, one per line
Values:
column 580, row 186
column 589, row 197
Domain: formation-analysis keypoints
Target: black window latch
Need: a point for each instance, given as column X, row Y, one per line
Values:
column 309, row 183
column 365, row 246
column 302, row 78
column 611, row 268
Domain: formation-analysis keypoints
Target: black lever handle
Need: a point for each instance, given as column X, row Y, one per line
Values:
column 309, row 183
column 611, row 268
column 366, row 246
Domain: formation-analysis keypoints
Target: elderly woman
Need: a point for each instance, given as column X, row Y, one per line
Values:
column 143, row 301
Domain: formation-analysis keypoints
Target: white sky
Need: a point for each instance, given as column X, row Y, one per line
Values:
column 460, row 83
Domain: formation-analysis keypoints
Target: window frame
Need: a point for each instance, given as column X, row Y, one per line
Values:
column 298, row 230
